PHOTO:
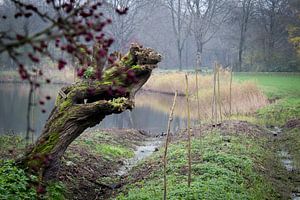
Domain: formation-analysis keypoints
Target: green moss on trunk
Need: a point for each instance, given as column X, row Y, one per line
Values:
column 84, row 104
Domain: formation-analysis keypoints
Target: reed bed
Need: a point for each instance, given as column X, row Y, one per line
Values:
column 246, row 96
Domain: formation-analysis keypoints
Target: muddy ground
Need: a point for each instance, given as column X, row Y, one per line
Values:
column 91, row 168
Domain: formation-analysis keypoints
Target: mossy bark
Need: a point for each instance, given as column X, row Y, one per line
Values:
column 85, row 104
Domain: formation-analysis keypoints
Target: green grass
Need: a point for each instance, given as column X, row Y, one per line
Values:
column 113, row 151
column 105, row 145
column 282, row 86
column 279, row 113
column 275, row 85
column 11, row 141
column 223, row 168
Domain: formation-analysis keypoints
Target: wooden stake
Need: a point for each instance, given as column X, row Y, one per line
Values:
column 197, row 90
column 167, row 143
column 230, row 93
column 219, row 95
column 189, row 132
column 214, row 103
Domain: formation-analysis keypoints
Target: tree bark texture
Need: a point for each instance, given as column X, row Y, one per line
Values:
column 85, row 104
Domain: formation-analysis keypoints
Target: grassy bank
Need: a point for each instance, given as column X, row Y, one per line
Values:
column 232, row 162
column 284, row 92
column 88, row 166
column 275, row 85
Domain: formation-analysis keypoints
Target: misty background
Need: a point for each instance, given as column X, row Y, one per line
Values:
column 248, row 35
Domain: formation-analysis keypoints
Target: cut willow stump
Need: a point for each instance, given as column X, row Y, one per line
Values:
column 85, row 104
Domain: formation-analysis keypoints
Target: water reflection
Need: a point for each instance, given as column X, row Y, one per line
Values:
column 145, row 118
column 149, row 114
column 13, row 107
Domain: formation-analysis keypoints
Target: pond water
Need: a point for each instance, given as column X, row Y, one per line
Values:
column 150, row 114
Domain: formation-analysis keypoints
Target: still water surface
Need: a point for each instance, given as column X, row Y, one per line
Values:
column 150, row 113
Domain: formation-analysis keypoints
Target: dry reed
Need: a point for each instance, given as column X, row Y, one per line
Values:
column 245, row 97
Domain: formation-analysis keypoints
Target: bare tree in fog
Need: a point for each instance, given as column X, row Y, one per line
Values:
column 271, row 15
column 180, row 23
column 207, row 16
column 123, row 27
column 246, row 11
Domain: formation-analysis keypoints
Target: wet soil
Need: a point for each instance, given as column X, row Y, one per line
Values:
column 91, row 175
column 288, row 154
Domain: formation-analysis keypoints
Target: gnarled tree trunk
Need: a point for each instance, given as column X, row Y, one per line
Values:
column 85, row 104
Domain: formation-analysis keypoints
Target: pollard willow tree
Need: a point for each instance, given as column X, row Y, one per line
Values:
column 76, row 27
column 86, row 103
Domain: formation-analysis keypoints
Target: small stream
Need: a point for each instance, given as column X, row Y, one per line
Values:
column 142, row 152
column 287, row 162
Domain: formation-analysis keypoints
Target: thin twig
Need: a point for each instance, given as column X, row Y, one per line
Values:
column 230, row 93
column 167, row 143
column 197, row 90
column 213, row 109
column 219, row 95
column 189, row 132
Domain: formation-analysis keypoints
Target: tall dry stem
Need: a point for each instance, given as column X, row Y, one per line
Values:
column 219, row 95
column 189, row 132
column 230, row 93
column 197, row 91
column 214, row 100
column 167, row 143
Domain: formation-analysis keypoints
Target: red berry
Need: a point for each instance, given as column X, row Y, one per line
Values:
column 61, row 64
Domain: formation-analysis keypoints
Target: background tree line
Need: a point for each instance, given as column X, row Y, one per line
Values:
column 250, row 35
